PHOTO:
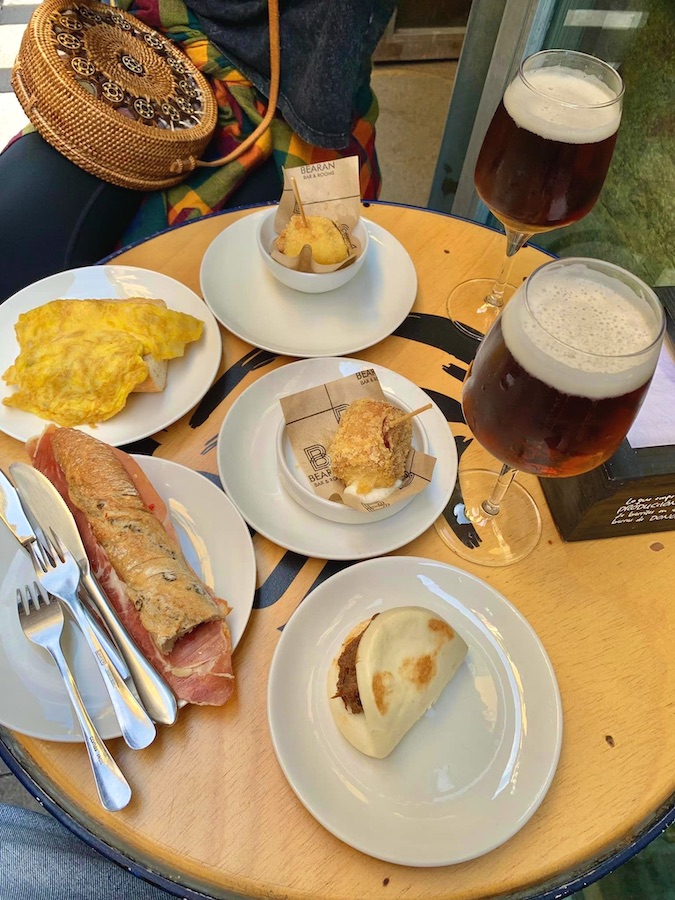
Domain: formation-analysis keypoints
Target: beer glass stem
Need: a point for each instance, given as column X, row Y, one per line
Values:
column 514, row 241
column 504, row 479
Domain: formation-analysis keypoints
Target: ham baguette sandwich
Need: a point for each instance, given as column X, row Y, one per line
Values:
column 389, row 671
column 176, row 620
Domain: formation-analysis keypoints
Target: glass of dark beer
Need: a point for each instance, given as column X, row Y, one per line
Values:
column 553, row 390
column 542, row 163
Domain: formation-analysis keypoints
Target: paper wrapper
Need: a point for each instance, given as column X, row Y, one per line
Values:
column 312, row 417
column 329, row 189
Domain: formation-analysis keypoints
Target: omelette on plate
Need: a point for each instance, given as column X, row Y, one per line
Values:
column 80, row 359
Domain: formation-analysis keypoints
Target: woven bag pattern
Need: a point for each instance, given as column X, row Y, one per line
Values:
column 112, row 95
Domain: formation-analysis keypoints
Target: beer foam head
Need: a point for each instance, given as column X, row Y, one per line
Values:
column 582, row 331
column 563, row 104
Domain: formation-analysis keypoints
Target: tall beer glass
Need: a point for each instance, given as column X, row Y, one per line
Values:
column 553, row 390
column 543, row 162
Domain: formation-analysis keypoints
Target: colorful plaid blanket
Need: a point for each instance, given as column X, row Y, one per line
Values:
column 241, row 108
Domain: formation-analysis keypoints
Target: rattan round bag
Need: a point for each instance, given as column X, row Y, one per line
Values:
column 112, row 95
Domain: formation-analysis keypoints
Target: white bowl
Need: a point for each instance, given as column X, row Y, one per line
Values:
column 296, row 484
column 308, row 282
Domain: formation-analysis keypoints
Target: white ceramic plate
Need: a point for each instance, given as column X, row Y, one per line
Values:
column 144, row 414
column 216, row 543
column 247, row 464
column 471, row 771
column 251, row 303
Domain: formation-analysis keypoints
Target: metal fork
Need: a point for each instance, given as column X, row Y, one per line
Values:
column 43, row 625
column 59, row 574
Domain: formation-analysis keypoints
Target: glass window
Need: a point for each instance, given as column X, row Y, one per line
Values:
column 633, row 222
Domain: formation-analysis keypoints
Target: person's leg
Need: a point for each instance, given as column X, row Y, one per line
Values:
column 42, row 860
column 262, row 185
column 53, row 215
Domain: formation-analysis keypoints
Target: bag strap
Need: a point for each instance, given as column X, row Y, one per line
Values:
column 179, row 166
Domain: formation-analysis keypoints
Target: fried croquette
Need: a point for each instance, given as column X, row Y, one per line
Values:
column 366, row 452
column 329, row 245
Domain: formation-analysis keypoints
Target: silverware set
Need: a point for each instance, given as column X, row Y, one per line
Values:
column 42, row 621
column 64, row 585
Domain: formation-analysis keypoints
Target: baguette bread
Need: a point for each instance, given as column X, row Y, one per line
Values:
column 169, row 597
column 177, row 621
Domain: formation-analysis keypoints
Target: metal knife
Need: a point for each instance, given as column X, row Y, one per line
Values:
column 50, row 511
column 14, row 517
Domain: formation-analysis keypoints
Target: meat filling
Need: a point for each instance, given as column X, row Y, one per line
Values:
column 347, row 686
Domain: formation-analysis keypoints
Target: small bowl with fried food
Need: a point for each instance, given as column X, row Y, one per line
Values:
column 320, row 234
column 294, row 481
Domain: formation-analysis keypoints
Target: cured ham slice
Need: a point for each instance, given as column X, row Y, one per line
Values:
column 184, row 634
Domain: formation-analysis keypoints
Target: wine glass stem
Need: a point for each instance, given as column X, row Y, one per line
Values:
column 514, row 241
column 504, row 479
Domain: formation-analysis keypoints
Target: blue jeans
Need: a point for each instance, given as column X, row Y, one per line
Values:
column 42, row 860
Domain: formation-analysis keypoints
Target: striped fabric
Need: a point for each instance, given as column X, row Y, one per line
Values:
column 241, row 108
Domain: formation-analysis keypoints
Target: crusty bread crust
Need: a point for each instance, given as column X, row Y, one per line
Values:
column 171, row 600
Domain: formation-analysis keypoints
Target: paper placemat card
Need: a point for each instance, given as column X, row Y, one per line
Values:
column 330, row 189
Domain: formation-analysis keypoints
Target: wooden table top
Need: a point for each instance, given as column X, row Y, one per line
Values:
column 212, row 809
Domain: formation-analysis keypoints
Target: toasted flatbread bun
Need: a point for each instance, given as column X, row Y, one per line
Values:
column 404, row 660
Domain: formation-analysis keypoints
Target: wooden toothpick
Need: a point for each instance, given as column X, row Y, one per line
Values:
column 399, row 420
column 298, row 200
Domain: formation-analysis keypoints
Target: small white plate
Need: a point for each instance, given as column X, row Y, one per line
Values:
column 216, row 543
column 247, row 463
column 471, row 771
column 250, row 302
column 144, row 414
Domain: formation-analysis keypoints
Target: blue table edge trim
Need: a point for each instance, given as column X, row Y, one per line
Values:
column 366, row 203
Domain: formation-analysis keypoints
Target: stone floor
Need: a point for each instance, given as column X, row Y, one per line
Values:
column 410, row 94
column 12, row 791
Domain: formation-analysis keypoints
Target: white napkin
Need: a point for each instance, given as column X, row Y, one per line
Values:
column 655, row 423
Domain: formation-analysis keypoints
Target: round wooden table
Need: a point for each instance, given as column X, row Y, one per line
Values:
column 212, row 812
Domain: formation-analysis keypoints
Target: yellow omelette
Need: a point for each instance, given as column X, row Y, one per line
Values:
column 80, row 359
